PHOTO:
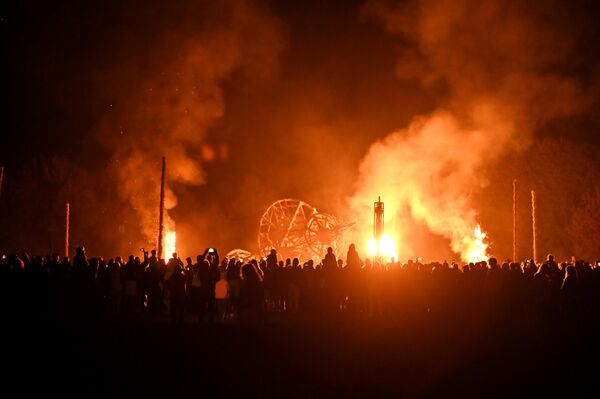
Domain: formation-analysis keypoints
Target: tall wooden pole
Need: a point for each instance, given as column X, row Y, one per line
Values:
column 515, row 248
column 534, row 243
column 67, row 217
column 1, row 178
column 161, row 208
column 378, row 225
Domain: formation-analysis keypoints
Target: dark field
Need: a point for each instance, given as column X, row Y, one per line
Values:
column 352, row 356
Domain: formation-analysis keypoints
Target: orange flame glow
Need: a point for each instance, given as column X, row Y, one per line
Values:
column 476, row 247
column 385, row 248
column 169, row 243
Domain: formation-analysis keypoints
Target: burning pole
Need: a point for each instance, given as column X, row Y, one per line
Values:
column 378, row 226
column 534, row 243
column 161, row 208
column 67, row 219
column 515, row 248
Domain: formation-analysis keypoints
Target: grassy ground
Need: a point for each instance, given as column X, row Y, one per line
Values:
column 422, row 356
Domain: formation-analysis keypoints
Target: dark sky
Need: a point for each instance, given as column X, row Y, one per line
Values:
column 299, row 132
column 336, row 69
column 52, row 50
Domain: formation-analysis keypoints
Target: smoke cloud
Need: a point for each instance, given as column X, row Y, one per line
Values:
column 501, row 68
column 165, row 102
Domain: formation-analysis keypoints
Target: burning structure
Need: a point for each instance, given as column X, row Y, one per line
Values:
column 296, row 229
column 482, row 92
column 166, row 237
column 381, row 246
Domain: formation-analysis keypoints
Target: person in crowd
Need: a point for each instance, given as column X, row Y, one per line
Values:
column 203, row 285
column 570, row 290
column 113, row 273
column 57, row 287
column 176, row 284
column 251, row 294
column 328, row 281
column 354, row 284
column 294, row 281
column 222, row 292
column 129, row 284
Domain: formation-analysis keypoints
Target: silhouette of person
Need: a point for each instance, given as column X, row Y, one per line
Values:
column 152, row 278
column 176, row 284
column 251, row 294
column 354, row 289
column 570, row 291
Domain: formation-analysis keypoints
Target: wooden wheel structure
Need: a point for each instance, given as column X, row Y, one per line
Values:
column 239, row 254
column 324, row 230
column 296, row 229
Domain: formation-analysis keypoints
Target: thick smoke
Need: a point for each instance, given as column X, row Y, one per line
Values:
column 166, row 100
column 500, row 67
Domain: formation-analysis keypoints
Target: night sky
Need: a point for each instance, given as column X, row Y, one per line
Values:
column 54, row 52
column 308, row 87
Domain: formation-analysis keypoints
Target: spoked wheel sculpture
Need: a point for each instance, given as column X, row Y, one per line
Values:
column 238, row 254
column 296, row 229
column 322, row 231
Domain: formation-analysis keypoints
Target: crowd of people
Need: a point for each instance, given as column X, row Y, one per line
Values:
column 211, row 289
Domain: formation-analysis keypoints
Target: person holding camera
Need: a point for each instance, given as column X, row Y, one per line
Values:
column 203, row 285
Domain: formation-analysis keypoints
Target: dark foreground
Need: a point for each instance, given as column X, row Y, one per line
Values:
column 347, row 357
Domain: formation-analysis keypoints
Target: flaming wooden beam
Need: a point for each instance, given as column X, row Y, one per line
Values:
column 67, row 220
column 515, row 248
column 534, row 243
column 161, row 208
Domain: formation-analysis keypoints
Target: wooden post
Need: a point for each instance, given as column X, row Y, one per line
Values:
column 515, row 247
column 67, row 217
column 534, row 243
column 161, row 208
column 1, row 178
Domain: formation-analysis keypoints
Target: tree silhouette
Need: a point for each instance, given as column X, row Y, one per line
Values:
column 584, row 227
column 563, row 173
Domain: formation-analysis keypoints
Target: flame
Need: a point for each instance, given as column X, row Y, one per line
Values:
column 476, row 247
column 385, row 248
column 169, row 243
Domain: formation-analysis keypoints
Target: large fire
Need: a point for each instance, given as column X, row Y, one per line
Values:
column 169, row 243
column 427, row 180
column 476, row 247
column 384, row 249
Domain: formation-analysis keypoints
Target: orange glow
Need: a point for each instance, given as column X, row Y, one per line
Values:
column 169, row 243
column 208, row 153
column 385, row 248
column 431, row 186
column 476, row 248
column 224, row 151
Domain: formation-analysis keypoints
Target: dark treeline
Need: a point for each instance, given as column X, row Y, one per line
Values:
column 563, row 173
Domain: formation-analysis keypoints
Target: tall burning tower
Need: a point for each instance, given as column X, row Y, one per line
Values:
column 378, row 226
column 381, row 246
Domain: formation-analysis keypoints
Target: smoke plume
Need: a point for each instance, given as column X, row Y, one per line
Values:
column 166, row 100
column 499, row 68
